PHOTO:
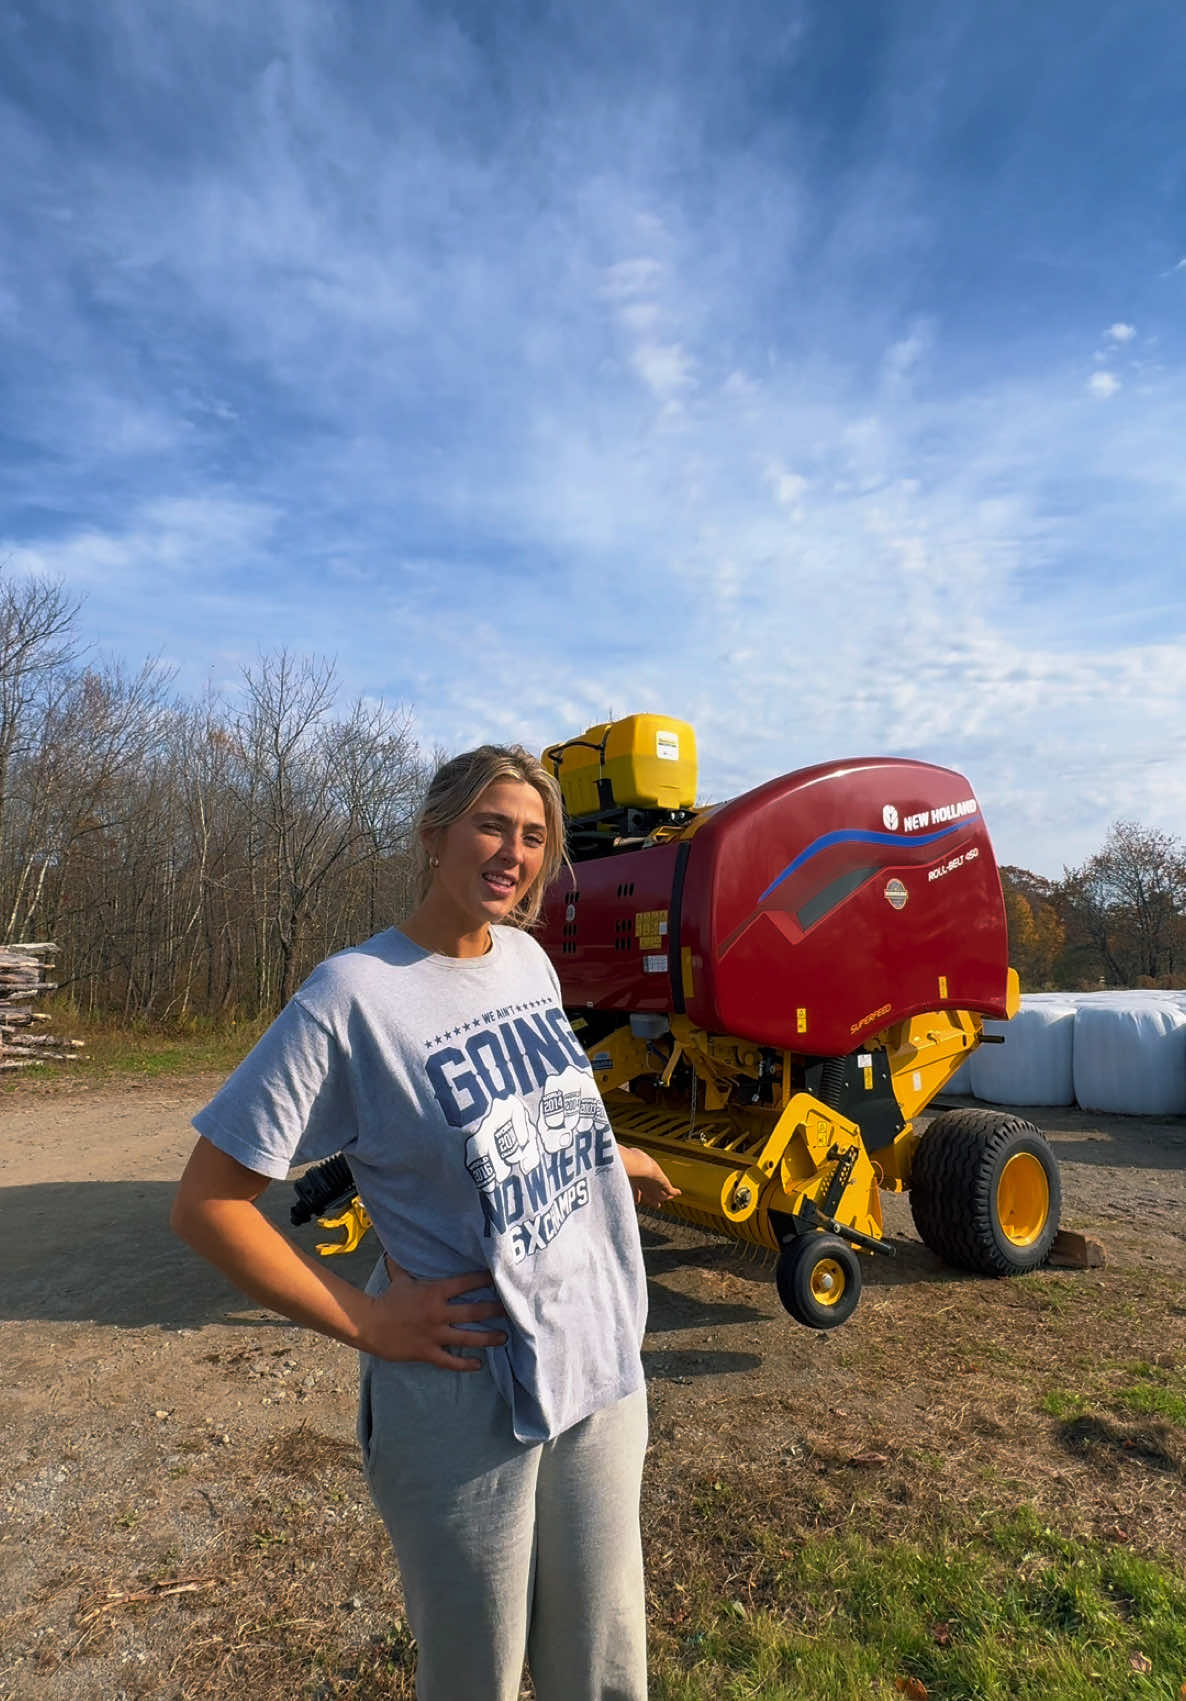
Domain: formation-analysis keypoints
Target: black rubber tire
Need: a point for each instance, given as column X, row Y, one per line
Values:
column 797, row 1265
column 953, row 1190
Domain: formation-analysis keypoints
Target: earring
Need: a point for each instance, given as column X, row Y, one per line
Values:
column 434, row 862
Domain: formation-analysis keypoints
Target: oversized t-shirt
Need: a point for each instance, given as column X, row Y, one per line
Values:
column 478, row 1140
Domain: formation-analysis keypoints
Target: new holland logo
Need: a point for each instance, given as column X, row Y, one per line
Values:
column 896, row 894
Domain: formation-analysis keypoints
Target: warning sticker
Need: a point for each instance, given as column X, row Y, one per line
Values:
column 650, row 921
column 667, row 746
column 650, row 927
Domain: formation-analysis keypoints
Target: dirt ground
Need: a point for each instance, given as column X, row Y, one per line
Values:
column 178, row 1484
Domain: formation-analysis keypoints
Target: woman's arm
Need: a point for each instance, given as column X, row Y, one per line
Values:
column 651, row 1186
column 215, row 1213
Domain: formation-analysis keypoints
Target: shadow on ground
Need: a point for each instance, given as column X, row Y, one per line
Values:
column 1106, row 1445
column 680, row 1366
column 1124, row 1142
column 103, row 1252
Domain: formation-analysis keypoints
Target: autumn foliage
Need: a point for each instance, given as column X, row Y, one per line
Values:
column 1117, row 920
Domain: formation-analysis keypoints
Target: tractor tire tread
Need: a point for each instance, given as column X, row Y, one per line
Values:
column 952, row 1190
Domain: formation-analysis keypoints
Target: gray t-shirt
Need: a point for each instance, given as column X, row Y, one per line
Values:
column 478, row 1140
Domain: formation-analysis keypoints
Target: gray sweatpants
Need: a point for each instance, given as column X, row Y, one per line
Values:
column 506, row 1549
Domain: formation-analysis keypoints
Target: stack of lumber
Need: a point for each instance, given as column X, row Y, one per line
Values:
column 24, row 971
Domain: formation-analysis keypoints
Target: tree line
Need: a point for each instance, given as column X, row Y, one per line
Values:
column 191, row 858
column 1119, row 919
column 197, row 859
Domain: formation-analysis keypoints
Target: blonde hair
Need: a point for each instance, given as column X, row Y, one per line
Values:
column 456, row 787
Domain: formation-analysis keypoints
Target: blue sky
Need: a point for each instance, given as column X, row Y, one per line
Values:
column 814, row 373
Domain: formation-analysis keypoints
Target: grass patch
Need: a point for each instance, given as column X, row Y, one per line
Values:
column 1156, row 1391
column 115, row 1055
column 1153, row 1400
column 1006, row 1610
column 746, row 1604
column 1058, row 1403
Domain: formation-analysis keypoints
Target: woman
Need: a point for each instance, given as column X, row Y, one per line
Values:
column 502, row 1414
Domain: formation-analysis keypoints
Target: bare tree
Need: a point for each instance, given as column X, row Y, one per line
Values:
column 1127, row 904
column 191, row 858
column 96, row 733
column 324, row 794
column 37, row 650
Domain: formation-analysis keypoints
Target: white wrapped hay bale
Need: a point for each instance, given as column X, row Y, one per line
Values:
column 1135, row 997
column 1130, row 1053
column 1034, row 1065
column 961, row 1082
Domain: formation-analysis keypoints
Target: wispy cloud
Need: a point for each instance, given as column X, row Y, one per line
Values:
column 648, row 358
column 665, row 368
column 172, row 540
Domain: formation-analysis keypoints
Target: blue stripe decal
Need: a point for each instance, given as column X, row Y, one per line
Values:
column 857, row 836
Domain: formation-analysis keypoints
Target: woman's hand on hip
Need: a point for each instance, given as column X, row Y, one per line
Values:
column 422, row 1321
column 216, row 1214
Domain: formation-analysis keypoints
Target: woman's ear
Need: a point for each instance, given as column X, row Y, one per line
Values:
column 431, row 842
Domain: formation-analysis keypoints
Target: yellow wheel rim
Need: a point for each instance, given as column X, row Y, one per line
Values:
column 828, row 1282
column 1023, row 1199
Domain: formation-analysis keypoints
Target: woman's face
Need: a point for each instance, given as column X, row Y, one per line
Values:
column 488, row 858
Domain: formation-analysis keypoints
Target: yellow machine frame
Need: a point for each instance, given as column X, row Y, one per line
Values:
column 783, row 1170
column 740, row 1168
